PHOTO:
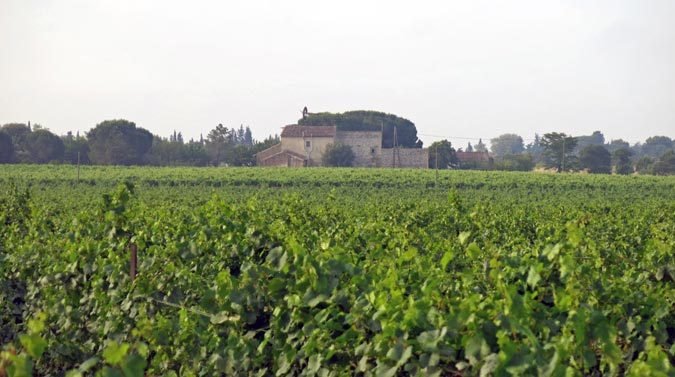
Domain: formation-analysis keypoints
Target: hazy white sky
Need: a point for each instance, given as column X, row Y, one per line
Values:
column 471, row 68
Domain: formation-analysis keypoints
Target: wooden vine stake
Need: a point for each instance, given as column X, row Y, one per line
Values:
column 133, row 262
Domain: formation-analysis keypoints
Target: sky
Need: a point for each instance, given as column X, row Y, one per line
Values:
column 459, row 70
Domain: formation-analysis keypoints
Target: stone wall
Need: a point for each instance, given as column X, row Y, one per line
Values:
column 366, row 146
column 407, row 158
column 314, row 151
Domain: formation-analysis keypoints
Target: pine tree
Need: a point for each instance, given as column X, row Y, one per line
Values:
column 240, row 134
column 248, row 136
column 480, row 147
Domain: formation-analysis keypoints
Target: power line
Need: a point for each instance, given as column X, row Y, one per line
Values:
column 464, row 138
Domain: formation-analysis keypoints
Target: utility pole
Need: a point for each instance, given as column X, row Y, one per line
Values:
column 78, row 167
column 563, row 154
column 393, row 154
column 436, row 159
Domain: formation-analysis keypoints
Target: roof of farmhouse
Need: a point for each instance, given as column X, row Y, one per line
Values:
column 308, row 131
column 473, row 156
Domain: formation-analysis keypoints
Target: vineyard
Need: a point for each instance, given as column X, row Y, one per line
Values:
column 332, row 272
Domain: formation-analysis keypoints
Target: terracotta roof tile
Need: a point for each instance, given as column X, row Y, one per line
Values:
column 308, row 131
column 293, row 154
column 473, row 156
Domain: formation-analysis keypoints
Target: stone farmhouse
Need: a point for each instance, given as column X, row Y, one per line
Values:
column 304, row 146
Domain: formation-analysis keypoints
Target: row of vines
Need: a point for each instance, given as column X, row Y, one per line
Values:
column 337, row 273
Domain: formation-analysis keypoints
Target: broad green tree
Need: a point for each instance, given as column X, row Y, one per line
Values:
column 656, row 146
column 6, row 148
column 339, row 155
column 506, row 144
column 43, row 147
column 118, row 142
column 75, row 144
column 515, row 162
column 615, row 145
column 596, row 159
column 166, row 152
column 18, row 133
column 404, row 130
column 644, row 165
column 535, row 149
column 596, row 138
column 219, row 143
column 447, row 158
column 622, row 162
column 666, row 164
column 195, row 154
column 559, row 151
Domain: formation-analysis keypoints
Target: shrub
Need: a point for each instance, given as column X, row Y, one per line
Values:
column 338, row 155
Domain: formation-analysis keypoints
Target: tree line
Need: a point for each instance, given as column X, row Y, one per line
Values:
column 561, row 152
column 121, row 142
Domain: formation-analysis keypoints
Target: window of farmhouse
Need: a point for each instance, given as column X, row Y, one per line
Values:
column 308, row 144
